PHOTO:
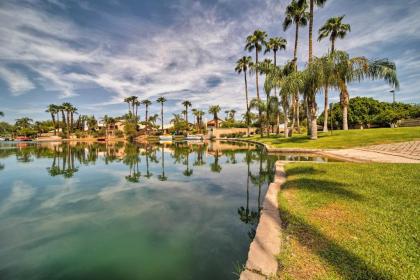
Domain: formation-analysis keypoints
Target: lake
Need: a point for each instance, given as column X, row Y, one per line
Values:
column 126, row 211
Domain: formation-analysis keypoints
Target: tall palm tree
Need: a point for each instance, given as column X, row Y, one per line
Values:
column 128, row 101
column 61, row 109
column 311, row 106
column 313, row 83
column 255, row 42
column 215, row 109
column 199, row 118
column 161, row 100
column 136, row 106
column 67, row 107
column 186, row 104
column 52, row 109
column 334, row 29
column 243, row 65
column 265, row 68
column 297, row 14
column 146, row 103
column 72, row 111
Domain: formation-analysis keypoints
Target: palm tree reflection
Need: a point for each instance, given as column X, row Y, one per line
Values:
column 162, row 176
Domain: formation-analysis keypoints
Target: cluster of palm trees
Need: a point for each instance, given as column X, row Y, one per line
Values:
column 67, row 111
column 179, row 120
column 334, row 70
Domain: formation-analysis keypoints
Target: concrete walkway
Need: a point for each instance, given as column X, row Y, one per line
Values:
column 405, row 152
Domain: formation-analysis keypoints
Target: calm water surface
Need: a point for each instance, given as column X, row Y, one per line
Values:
column 123, row 211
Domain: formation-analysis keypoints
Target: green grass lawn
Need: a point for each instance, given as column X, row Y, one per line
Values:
column 344, row 139
column 350, row 221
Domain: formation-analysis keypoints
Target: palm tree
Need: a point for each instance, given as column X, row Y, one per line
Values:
column 136, row 106
column 255, row 42
column 311, row 106
column 186, row 104
column 261, row 107
column 291, row 84
column 243, row 65
column 52, row 109
column 67, row 107
column 335, row 29
column 346, row 69
column 60, row 108
column 146, row 103
column 265, row 68
column 128, row 101
column 199, row 116
column 162, row 176
column 72, row 111
column 275, row 44
column 215, row 109
column 296, row 13
column 161, row 100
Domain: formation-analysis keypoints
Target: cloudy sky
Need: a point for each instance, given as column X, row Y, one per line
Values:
column 95, row 53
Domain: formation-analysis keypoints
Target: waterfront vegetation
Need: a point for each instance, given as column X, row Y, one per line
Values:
column 340, row 139
column 350, row 221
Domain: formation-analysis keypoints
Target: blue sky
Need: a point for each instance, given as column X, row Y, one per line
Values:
column 94, row 53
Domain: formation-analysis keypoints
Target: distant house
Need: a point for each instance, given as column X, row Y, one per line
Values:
column 212, row 123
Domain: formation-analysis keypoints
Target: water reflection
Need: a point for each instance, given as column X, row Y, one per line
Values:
column 185, row 210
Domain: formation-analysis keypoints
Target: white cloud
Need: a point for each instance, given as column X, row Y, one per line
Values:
column 16, row 82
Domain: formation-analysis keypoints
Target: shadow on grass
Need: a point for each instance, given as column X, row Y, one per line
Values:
column 302, row 170
column 344, row 262
column 322, row 186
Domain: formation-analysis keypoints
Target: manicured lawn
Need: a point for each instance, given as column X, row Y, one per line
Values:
column 350, row 221
column 344, row 139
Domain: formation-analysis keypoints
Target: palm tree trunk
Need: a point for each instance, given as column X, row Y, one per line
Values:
column 71, row 121
column 275, row 64
column 311, row 26
column 247, row 104
column 277, row 122
column 53, row 120
column 312, row 110
column 256, row 74
column 297, row 112
column 325, row 109
column 344, row 100
column 293, row 115
column 68, row 124
column 161, row 115
column 186, row 115
column 296, row 43
column 308, row 116
column 286, row 127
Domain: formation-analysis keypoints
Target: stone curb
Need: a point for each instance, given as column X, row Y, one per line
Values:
column 262, row 256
